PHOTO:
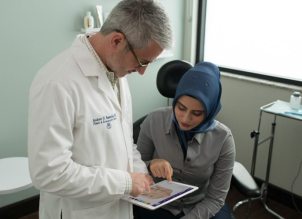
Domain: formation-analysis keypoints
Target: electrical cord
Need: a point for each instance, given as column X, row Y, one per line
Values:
column 292, row 189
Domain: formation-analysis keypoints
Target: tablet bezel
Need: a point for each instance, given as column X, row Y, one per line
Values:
column 166, row 200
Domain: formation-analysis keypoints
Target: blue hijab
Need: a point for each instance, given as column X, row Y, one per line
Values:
column 201, row 82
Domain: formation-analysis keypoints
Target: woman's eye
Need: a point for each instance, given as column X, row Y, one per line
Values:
column 198, row 113
column 181, row 108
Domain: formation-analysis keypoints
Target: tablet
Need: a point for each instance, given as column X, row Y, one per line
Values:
column 161, row 194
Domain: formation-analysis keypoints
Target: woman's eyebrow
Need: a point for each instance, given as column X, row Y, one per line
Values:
column 181, row 104
column 201, row 110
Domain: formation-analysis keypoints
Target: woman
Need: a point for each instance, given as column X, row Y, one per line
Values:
column 185, row 143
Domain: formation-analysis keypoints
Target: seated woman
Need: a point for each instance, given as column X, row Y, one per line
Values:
column 185, row 143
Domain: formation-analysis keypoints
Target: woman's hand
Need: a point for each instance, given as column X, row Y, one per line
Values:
column 161, row 168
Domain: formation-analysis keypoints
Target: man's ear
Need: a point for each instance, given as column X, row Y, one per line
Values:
column 116, row 39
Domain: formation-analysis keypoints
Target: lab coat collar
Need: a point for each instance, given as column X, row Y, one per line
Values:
column 86, row 60
column 91, row 68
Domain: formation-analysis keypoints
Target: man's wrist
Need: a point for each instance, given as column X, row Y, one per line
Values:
column 128, row 186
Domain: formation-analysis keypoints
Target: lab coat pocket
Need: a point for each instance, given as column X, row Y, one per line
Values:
column 102, row 211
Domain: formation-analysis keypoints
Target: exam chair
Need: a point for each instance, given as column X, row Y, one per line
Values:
column 245, row 184
column 167, row 79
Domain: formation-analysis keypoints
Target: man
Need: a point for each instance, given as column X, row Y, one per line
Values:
column 80, row 147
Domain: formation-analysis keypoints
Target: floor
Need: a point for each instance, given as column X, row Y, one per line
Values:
column 257, row 210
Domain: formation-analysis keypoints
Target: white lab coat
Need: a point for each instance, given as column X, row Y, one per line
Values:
column 80, row 143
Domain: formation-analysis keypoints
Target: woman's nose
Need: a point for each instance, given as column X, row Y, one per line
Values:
column 186, row 117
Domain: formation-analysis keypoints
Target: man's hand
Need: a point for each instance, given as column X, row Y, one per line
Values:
column 161, row 168
column 140, row 183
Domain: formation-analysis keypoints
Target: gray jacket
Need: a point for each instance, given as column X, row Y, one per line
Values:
column 208, row 164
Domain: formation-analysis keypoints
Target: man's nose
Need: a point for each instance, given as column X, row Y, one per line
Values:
column 141, row 70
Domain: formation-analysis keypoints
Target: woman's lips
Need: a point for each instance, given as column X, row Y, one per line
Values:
column 185, row 125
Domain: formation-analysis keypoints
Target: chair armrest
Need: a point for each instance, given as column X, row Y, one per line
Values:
column 244, row 181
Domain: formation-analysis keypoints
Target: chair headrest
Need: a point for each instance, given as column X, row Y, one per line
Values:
column 169, row 75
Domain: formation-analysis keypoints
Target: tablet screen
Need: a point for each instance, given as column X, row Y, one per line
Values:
column 161, row 194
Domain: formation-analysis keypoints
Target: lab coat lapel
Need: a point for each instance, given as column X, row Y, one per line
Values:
column 124, row 97
column 105, row 87
column 126, row 106
column 92, row 68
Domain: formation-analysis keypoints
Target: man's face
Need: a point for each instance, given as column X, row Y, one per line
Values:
column 128, row 60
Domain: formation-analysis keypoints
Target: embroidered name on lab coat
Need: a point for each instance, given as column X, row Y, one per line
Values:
column 104, row 120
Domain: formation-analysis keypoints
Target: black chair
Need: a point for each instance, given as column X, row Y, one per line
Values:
column 169, row 75
column 167, row 79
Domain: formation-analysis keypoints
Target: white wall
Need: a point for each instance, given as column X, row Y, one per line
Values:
column 241, row 102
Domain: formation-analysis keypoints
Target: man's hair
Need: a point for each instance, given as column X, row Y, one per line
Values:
column 141, row 21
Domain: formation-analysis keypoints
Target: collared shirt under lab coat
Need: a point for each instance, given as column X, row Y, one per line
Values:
column 80, row 143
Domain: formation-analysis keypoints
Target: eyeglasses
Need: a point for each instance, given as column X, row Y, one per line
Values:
column 140, row 64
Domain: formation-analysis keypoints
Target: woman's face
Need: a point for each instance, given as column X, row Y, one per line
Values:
column 189, row 112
